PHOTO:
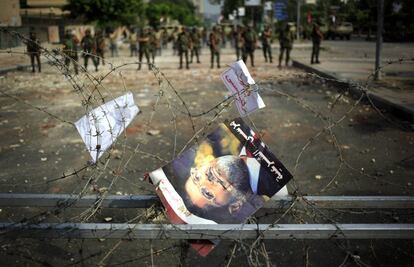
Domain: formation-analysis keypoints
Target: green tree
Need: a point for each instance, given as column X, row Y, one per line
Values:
column 107, row 12
column 180, row 10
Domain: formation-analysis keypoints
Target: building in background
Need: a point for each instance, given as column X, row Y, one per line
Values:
column 211, row 11
column 47, row 17
column 10, row 13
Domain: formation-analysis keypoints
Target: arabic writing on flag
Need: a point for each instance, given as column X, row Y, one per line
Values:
column 240, row 83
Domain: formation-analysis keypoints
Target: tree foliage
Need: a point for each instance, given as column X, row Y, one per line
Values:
column 107, row 12
column 180, row 10
column 133, row 12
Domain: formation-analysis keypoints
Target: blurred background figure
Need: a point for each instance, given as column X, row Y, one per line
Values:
column 238, row 41
column 215, row 42
column 89, row 49
column 100, row 44
column 183, row 44
column 132, row 39
column 164, row 38
column 158, row 34
column 222, row 31
column 113, row 44
column 33, row 49
column 196, row 44
column 286, row 38
column 317, row 37
column 204, row 37
column 153, row 44
column 250, row 39
column 70, row 50
column 266, row 43
column 143, row 41
column 173, row 39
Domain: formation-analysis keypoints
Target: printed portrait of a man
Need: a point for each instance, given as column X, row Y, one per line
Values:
column 218, row 179
column 213, row 180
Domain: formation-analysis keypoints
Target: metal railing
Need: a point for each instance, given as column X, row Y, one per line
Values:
column 191, row 231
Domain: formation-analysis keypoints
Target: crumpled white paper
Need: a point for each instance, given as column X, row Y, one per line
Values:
column 101, row 126
column 240, row 83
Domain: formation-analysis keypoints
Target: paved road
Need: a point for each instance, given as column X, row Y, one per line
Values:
column 375, row 156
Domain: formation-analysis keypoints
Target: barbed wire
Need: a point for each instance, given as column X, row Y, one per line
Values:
column 92, row 91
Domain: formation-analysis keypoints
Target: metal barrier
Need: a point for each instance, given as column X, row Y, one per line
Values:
column 221, row 231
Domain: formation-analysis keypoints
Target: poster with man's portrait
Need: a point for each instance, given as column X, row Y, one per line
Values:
column 223, row 179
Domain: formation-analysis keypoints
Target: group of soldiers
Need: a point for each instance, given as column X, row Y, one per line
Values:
column 186, row 43
column 93, row 47
column 245, row 41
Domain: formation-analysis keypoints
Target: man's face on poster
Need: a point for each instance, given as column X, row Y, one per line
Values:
column 208, row 186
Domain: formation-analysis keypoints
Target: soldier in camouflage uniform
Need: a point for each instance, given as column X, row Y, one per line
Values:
column 100, row 45
column 143, row 41
column 238, row 41
column 215, row 43
column 33, row 49
column 153, row 44
column 250, row 39
column 286, row 38
column 266, row 43
column 196, row 44
column 183, row 43
column 70, row 50
column 89, row 49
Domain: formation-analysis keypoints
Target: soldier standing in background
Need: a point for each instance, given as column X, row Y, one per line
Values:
column 183, row 43
column 215, row 43
column 113, row 45
column 153, row 43
column 317, row 37
column 222, row 31
column 286, row 38
column 158, row 41
column 196, row 44
column 250, row 39
column 238, row 41
column 33, row 49
column 266, row 43
column 174, row 38
column 132, row 39
column 164, row 38
column 100, row 47
column 89, row 49
column 143, row 41
column 70, row 50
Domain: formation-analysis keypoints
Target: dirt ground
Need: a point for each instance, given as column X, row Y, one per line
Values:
column 363, row 153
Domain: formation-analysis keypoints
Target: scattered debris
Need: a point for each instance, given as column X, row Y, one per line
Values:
column 153, row 132
column 103, row 190
column 14, row 145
